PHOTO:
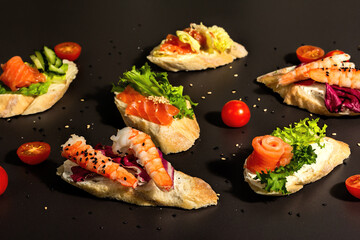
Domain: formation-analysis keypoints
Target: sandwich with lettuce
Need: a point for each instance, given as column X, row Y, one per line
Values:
column 196, row 48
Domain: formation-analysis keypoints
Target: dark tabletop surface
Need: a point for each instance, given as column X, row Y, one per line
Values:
column 115, row 35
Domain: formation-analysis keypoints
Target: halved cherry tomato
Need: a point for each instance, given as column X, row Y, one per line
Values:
column 3, row 180
column 309, row 53
column 235, row 113
column 353, row 185
column 333, row 52
column 68, row 50
column 33, row 152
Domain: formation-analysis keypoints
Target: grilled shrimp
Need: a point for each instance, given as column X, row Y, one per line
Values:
column 337, row 76
column 302, row 72
column 129, row 140
column 76, row 150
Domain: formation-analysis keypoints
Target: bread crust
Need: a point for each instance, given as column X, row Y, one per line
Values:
column 296, row 95
column 179, row 136
column 340, row 151
column 197, row 61
column 188, row 193
column 17, row 104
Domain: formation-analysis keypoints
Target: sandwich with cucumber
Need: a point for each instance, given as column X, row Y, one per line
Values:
column 35, row 86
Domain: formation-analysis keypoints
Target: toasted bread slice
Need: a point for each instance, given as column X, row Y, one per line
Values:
column 197, row 61
column 187, row 192
column 179, row 136
column 332, row 155
column 17, row 104
column 310, row 98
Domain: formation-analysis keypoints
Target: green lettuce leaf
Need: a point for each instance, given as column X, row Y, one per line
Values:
column 299, row 136
column 35, row 89
column 149, row 83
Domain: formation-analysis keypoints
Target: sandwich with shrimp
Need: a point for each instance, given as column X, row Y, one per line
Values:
column 284, row 161
column 196, row 48
column 28, row 88
column 148, row 102
column 132, row 170
column 327, row 85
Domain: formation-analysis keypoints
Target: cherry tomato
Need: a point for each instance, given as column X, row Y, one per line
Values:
column 3, row 180
column 333, row 52
column 353, row 185
column 235, row 113
column 33, row 152
column 68, row 50
column 309, row 53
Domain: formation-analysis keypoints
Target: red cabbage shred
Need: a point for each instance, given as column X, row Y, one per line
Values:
column 337, row 99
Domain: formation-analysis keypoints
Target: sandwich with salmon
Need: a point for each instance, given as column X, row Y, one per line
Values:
column 28, row 88
column 132, row 170
column 196, row 48
column 148, row 102
column 329, row 85
column 283, row 162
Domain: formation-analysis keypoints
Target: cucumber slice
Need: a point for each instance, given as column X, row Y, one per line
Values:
column 50, row 56
column 56, row 70
column 40, row 58
column 58, row 62
column 37, row 62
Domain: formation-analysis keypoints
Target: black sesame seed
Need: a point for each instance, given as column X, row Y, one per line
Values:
column 158, row 228
column 215, row 148
column 290, row 213
column 298, row 214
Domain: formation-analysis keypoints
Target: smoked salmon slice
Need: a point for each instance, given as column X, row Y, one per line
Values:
column 269, row 152
column 139, row 105
column 17, row 74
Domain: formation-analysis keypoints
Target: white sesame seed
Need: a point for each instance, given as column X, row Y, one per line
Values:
column 259, row 99
column 240, row 99
column 358, row 144
column 66, row 126
column 265, row 110
column 233, row 91
column 209, row 93
column 234, row 154
column 223, row 158
column 311, row 115
column 236, row 145
column 45, row 208
column 191, row 85
column 254, row 105
column 203, row 97
column 230, row 67
column 236, row 75
column 88, row 126
column 334, row 134
column 82, row 100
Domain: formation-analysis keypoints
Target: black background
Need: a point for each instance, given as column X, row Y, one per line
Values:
column 115, row 35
